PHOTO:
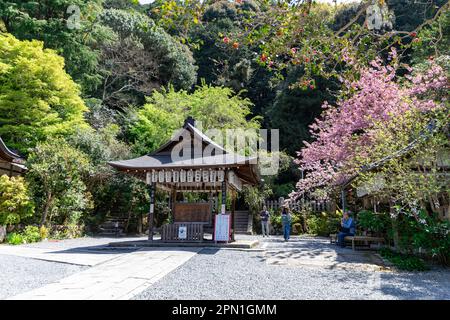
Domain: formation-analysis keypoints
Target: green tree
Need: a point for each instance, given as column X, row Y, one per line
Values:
column 215, row 107
column 306, row 105
column 143, row 58
column 74, row 34
column 434, row 40
column 38, row 98
column 110, row 190
column 56, row 179
column 224, row 61
column 15, row 202
column 255, row 196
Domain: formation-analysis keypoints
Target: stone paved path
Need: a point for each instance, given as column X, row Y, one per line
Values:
column 122, row 277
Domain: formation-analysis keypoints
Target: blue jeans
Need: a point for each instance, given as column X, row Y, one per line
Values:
column 341, row 236
column 265, row 228
column 286, row 231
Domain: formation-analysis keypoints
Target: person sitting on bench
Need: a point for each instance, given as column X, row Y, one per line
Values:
column 347, row 228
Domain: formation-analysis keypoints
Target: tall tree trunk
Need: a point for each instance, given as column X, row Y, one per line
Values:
column 394, row 223
column 139, row 224
column 46, row 209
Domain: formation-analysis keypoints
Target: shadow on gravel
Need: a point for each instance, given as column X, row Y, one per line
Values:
column 318, row 253
column 94, row 250
column 428, row 285
column 117, row 250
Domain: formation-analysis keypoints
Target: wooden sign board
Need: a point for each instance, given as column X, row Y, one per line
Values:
column 192, row 212
column 222, row 227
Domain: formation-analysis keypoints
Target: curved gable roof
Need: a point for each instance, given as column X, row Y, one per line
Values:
column 8, row 155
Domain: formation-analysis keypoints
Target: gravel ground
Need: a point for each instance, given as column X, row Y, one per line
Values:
column 19, row 274
column 227, row 274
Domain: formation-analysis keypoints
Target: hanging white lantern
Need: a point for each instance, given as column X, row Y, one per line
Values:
column 221, row 175
column 148, row 178
column 161, row 176
column 198, row 175
column 190, row 176
column 154, row 176
column 183, row 176
column 205, row 176
column 168, row 176
column 213, row 175
column 176, row 176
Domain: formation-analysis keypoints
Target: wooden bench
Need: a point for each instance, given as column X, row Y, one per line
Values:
column 366, row 239
column 356, row 239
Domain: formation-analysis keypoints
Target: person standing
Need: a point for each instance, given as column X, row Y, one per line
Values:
column 265, row 215
column 286, row 220
column 347, row 228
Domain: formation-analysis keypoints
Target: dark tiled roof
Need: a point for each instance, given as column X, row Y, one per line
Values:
column 162, row 158
column 8, row 155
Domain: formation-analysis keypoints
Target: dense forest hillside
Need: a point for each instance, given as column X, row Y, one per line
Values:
column 83, row 82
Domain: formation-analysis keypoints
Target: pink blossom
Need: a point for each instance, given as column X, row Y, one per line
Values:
column 345, row 128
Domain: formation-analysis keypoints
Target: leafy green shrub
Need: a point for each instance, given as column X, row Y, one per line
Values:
column 15, row 202
column 275, row 222
column 317, row 225
column 404, row 262
column 14, row 238
column 426, row 233
column 372, row 222
column 31, row 234
column 433, row 236
column 69, row 231
column 74, row 231
column 297, row 228
column 43, row 231
column 322, row 224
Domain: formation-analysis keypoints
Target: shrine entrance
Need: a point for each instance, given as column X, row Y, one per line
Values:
column 191, row 163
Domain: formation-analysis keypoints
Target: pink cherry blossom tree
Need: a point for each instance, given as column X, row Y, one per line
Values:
column 344, row 134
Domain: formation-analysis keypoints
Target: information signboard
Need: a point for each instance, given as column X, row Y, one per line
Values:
column 222, row 227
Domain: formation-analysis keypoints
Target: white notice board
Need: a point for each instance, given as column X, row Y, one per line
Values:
column 182, row 232
column 222, row 227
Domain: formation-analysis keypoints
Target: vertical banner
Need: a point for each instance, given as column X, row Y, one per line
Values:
column 152, row 188
column 224, row 197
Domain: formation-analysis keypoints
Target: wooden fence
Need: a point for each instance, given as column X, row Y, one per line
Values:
column 310, row 205
column 194, row 232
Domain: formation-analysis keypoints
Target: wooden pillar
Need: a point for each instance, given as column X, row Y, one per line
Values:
column 224, row 198
column 233, row 209
column 152, row 188
column 173, row 200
